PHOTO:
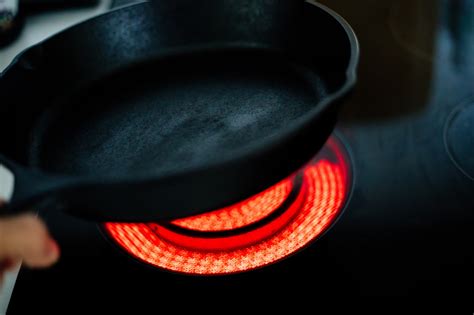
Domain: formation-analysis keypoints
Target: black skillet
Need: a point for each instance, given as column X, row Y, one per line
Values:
column 169, row 109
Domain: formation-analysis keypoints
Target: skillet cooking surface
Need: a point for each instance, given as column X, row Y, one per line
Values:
column 177, row 113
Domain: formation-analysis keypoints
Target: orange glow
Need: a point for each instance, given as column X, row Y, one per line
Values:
column 242, row 214
column 318, row 202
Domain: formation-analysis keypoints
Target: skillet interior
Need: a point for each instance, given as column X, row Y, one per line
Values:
column 181, row 112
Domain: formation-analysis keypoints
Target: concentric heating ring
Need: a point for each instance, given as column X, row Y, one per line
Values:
column 254, row 233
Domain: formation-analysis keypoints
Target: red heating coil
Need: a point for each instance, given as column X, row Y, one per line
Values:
column 242, row 214
column 317, row 204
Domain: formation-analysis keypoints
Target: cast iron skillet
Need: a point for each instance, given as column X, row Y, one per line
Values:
column 165, row 110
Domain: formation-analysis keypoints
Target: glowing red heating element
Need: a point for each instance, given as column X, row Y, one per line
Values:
column 258, row 231
column 242, row 214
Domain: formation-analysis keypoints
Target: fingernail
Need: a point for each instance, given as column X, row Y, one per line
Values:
column 52, row 249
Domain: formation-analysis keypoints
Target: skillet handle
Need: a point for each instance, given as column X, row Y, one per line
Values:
column 31, row 188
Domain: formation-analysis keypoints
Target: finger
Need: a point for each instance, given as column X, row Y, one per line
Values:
column 9, row 264
column 26, row 238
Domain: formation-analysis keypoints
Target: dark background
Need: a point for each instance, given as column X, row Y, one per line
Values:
column 407, row 232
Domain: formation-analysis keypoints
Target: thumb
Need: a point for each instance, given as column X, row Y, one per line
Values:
column 26, row 238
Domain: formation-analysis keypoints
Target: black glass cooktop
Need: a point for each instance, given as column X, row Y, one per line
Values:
column 407, row 227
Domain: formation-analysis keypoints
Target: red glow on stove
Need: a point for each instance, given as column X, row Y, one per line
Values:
column 314, row 205
column 239, row 240
column 242, row 214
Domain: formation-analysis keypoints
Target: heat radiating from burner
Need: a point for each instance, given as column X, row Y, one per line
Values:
column 251, row 234
column 242, row 214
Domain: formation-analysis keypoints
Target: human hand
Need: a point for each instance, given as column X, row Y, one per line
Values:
column 25, row 239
